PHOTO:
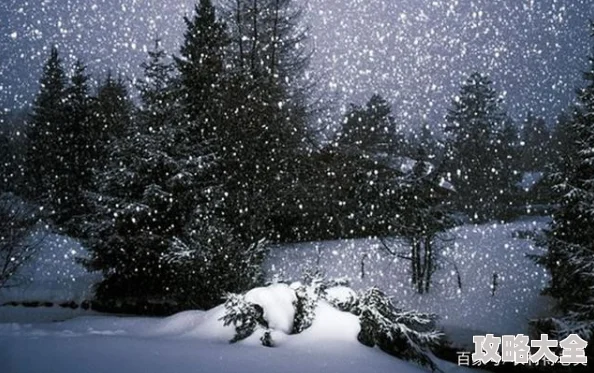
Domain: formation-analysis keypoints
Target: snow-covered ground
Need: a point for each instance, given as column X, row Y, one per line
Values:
column 478, row 252
column 193, row 341
column 197, row 341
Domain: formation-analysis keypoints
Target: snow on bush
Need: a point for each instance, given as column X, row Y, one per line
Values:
column 278, row 304
column 244, row 316
column 405, row 334
column 280, row 309
column 308, row 295
column 271, row 308
column 342, row 297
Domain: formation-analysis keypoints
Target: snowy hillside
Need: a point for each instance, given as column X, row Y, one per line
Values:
column 192, row 341
column 478, row 252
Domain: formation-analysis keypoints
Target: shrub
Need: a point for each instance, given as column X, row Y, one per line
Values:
column 245, row 316
column 405, row 334
column 308, row 295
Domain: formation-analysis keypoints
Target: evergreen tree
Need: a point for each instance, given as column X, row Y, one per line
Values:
column 112, row 113
column 159, row 104
column 405, row 334
column 420, row 216
column 76, row 152
column 44, row 133
column 535, row 153
column 351, row 185
column 265, row 117
column 145, row 192
column 126, row 230
column 370, row 131
column 201, row 66
column 570, row 256
column 474, row 122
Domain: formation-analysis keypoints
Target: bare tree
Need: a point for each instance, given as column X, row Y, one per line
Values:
column 18, row 242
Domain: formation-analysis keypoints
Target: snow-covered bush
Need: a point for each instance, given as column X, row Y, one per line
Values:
column 308, row 294
column 342, row 298
column 244, row 316
column 270, row 309
column 404, row 334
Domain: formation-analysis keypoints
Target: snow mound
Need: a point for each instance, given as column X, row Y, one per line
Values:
column 330, row 324
column 340, row 295
column 277, row 301
column 209, row 326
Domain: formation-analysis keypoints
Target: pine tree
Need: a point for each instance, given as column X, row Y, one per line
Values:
column 201, row 66
column 570, row 256
column 43, row 159
column 112, row 113
column 244, row 316
column 535, row 144
column 366, row 152
column 404, row 334
column 421, row 215
column 370, row 131
column 474, row 122
column 265, row 116
column 124, row 232
column 159, row 104
column 148, row 189
column 76, row 152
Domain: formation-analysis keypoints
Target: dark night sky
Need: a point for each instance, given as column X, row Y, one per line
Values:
column 414, row 52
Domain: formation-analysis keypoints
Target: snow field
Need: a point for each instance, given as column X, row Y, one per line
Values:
column 476, row 253
column 195, row 341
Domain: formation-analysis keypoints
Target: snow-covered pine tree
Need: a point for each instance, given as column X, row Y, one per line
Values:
column 353, row 185
column 244, row 316
column 265, row 126
column 153, row 236
column 133, row 213
column 78, row 152
column 201, row 67
column 535, row 150
column 405, row 334
column 44, row 131
column 209, row 256
column 159, row 106
column 474, row 123
column 113, row 112
column 370, row 131
column 308, row 294
column 209, row 260
column 570, row 256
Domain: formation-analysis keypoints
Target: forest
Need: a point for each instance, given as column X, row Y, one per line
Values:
column 181, row 182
